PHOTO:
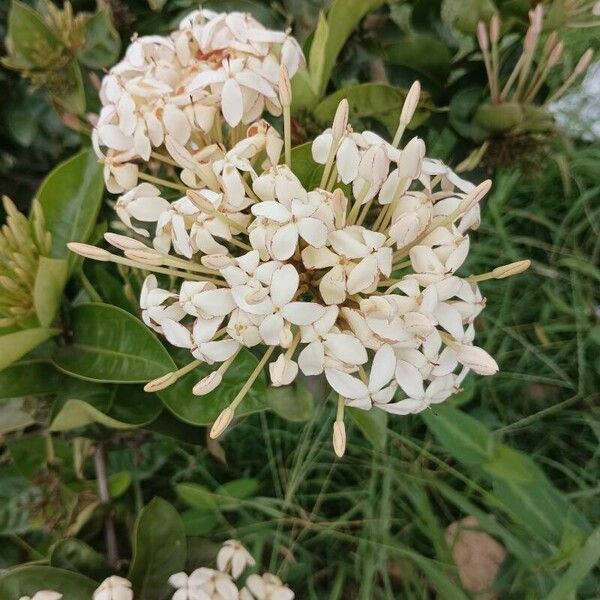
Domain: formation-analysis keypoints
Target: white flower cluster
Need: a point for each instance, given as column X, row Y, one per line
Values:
column 354, row 278
column 220, row 583
column 112, row 588
column 172, row 91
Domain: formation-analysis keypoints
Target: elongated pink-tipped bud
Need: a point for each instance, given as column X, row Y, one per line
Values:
column 89, row 251
column 475, row 196
column 550, row 42
column 584, row 62
column 160, row 383
column 339, row 438
column 122, row 242
column 285, row 86
column 146, row 256
column 200, row 201
column 495, row 28
column 555, row 54
column 221, row 424
column 207, row 384
column 340, row 120
column 536, row 18
column 216, row 261
column 476, row 359
column 410, row 103
column 530, row 40
column 482, row 36
column 511, row 269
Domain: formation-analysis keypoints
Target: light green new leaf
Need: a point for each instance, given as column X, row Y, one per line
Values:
column 110, row 345
column 50, row 281
column 197, row 496
column 371, row 100
column 331, row 34
column 33, row 43
column 17, row 344
column 202, row 411
column 159, row 550
column 28, row 580
column 372, row 423
column 71, row 196
column 102, row 41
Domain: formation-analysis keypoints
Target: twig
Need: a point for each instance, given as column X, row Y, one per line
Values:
column 104, row 493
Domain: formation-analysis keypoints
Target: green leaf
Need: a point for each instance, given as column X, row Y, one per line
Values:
column 330, row 36
column 292, row 402
column 372, row 423
column 305, row 168
column 29, row 377
column 110, row 345
column 582, row 563
column 67, row 89
column 70, row 197
column 242, row 488
column 371, row 101
column 499, row 118
column 102, row 42
column 76, row 556
column 159, row 550
column 15, row 345
column 28, row 580
column 197, row 496
column 32, row 42
column 198, row 522
column 178, row 398
column 118, row 483
column 50, row 281
column 421, row 52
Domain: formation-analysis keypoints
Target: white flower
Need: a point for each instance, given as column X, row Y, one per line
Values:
column 114, row 588
column 346, row 152
column 189, row 587
column 266, row 587
column 233, row 556
column 43, row 595
column 143, row 203
column 154, row 309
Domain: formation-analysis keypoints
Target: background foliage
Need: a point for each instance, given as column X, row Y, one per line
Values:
column 518, row 451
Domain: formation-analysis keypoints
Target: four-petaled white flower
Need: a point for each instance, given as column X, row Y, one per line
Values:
column 234, row 557
column 114, row 588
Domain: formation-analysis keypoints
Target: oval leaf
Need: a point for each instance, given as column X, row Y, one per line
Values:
column 159, row 550
column 111, row 345
column 27, row 581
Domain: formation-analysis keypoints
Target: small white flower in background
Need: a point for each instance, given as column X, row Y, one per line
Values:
column 355, row 274
column 265, row 587
column 114, row 588
column 43, row 595
column 234, row 557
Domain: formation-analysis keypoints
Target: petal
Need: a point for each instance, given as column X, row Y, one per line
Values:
column 176, row 334
column 347, row 159
column 302, row 313
column 311, row 358
column 176, row 123
column 284, row 242
column 333, row 286
column 383, row 368
column 273, row 210
column 218, row 302
column 320, row 148
column 220, row 350
column 346, row 348
column 404, row 407
column 232, row 102
column 313, row 231
column 346, row 385
column 409, row 379
column 363, row 275
column 270, row 329
column 284, row 285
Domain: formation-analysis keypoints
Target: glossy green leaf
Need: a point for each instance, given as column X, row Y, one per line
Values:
column 17, row 344
column 205, row 409
column 159, row 550
column 372, row 423
column 330, row 36
column 110, row 345
column 305, row 168
column 71, row 196
column 197, row 496
column 292, row 402
column 76, row 556
column 50, row 281
column 29, row 377
column 376, row 101
column 33, row 43
column 102, row 42
column 28, row 580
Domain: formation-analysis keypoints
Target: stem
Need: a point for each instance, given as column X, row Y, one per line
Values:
column 259, row 367
column 287, row 135
column 163, row 182
column 104, row 493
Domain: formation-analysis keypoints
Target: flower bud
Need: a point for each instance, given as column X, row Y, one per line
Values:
column 555, row 54
column 222, row 422
column 207, row 384
column 146, row 256
column 476, row 359
column 160, row 383
column 340, row 120
column 584, row 62
column 283, row 371
column 482, row 36
column 411, row 156
column 122, row 242
column 339, row 438
column 285, row 87
column 410, row 103
column 89, row 251
column 511, row 269
column 475, row 196
column 495, row 28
